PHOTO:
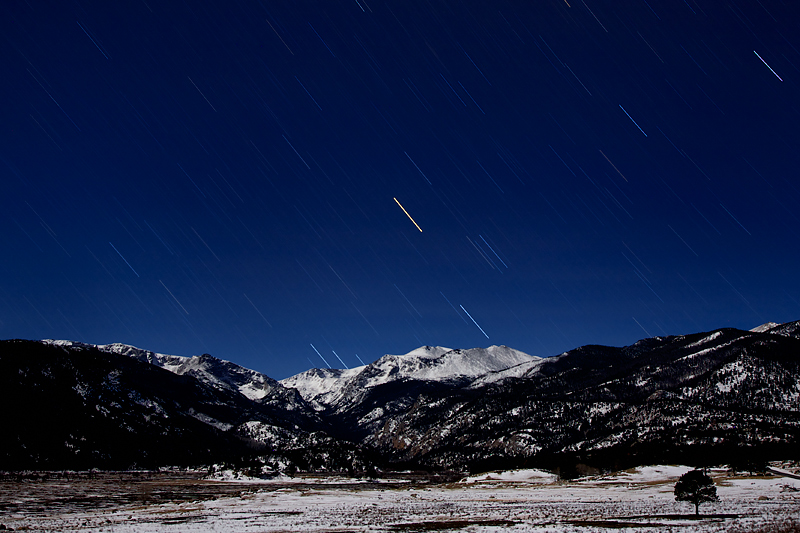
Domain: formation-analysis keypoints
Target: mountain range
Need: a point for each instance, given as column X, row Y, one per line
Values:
column 724, row 395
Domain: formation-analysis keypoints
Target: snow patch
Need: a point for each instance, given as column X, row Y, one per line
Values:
column 706, row 340
column 647, row 474
column 252, row 392
column 514, row 476
column 763, row 328
column 211, row 421
column 317, row 382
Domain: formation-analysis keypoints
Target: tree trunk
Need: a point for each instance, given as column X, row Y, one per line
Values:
column 697, row 509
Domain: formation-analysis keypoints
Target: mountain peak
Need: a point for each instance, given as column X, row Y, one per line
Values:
column 428, row 352
column 207, row 368
column 438, row 363
column 426, row 363
column 763, row 328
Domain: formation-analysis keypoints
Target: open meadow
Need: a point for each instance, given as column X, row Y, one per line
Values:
column 529, row 500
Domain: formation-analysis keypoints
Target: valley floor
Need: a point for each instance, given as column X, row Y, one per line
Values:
column 636, row 500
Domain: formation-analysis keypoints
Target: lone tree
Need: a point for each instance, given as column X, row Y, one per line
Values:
column 696, row 487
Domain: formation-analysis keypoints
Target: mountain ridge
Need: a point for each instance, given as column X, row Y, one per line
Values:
column 725, row 392
column 104, row 409
column 333, row 387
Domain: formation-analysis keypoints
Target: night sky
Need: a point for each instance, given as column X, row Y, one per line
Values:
column 250, row 178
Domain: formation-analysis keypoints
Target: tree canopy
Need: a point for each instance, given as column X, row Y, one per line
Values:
column 696, row 487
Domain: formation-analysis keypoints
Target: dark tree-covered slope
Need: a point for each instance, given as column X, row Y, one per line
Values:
column 660, row 399
column 80, row 407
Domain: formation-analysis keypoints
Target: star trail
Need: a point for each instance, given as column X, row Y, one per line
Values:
column 584, row 172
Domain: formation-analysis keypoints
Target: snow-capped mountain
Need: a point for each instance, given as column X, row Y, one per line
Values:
column 331, row 388
column 789, row 329
column 723, row 394
column 763, row 328
column 219, row 374
column 719, row 394
column 318, row 383
column 81, row 406
column 208, row 369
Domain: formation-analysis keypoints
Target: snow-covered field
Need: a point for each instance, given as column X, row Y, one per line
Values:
column 636, row 500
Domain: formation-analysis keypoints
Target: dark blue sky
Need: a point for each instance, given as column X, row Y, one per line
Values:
column 221, row 177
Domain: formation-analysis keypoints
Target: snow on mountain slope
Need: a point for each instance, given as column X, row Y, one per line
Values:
column 428, row 352
column 317, row 382
column 788, row 329
column 427, row 363
column 521, row 370
column 440, row 364
column 471, row 363
column 763, row 328
column 208, row 369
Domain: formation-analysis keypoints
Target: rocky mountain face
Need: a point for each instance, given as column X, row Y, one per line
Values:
column 221, row 375
column 71, row 405
column 723, row 395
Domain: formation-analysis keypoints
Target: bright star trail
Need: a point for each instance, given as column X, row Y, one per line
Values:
column 409, row 216
column 473, row 321
column 769, row 67
column 320, row 356
column 214, row 177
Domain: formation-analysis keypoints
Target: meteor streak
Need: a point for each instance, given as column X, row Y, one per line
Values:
column 409, row 216
column 473, row 320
